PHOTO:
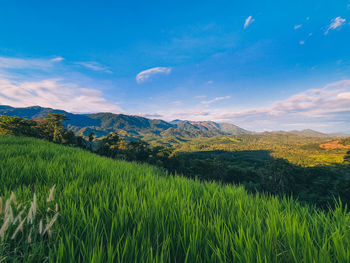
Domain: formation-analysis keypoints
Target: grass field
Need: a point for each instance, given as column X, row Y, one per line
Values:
column 114, row 211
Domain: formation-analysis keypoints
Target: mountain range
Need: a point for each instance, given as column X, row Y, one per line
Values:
column 127, row 125
column 137, row 127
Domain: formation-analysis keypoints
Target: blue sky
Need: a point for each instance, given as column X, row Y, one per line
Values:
column 263, row 65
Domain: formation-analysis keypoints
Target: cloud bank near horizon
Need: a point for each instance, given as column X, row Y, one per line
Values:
column 21, row 89
column 325, row 109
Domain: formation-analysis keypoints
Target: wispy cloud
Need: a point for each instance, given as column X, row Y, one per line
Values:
column 297, row 26
column 301, row 42
column 57, row 59
column 27, row 63
column 335, row 23
column 53, row 93
column 215, row 100
column 147, row 74
column 150, row 115
column 248, row 21
column 200, row 96
column 95, row 66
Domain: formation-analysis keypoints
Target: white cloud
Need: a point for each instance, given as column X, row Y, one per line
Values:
column 146, row 74
column 53, row 93
column 57, row 59
column 149, row 115
column 19, row 63
column 95, row 66
column 215, row 100
column 297, row 26
column 248, row 21
column 301, row 42
column 344, row 95
column 335, row 23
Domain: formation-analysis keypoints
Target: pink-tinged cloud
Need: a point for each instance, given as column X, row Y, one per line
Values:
column 248, row 21
column 54, row 93
column 147, row 74
column 335, row 23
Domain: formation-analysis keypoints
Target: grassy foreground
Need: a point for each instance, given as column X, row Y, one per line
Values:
column 114, row 211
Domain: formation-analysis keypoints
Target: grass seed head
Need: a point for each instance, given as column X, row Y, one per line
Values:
column 19, row 228
column 34, row 205
column 29, row 239
column 49, row 225
column 30, row 215
column 7, row 206
column 4, row 228
column 51, row 198
column 41, row 227
column 13, row 198
column 18, row 217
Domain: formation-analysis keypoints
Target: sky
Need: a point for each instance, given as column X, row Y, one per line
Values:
column 262, row 65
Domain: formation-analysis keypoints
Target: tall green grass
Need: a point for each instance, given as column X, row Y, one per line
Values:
column 114, row 211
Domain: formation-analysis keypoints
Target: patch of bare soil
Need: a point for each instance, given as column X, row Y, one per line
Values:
column 334, row 145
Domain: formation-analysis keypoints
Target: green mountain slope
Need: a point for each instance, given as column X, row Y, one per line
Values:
column 114, row 211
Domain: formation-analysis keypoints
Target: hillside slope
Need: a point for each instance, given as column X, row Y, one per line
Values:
column 114, row 211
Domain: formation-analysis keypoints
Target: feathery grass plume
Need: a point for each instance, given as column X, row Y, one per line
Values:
column 30, row 215
column 4, row 228
column 13, row 198
column 34, row 205
column 7, row 206
column 18, row 217
column 32, row 211
column 9, row 214
column 29, row 222
column 19, row 228
column 29, row 239
column 51, row 198
column 41, row 227
column 50, row 224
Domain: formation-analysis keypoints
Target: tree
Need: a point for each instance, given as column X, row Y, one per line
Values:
column 52, row 127
column 109, row 145
column 92, row 136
